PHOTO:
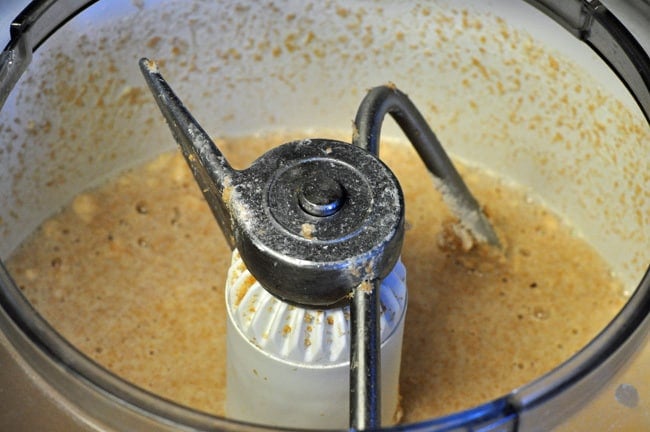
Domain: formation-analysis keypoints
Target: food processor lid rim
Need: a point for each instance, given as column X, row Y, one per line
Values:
column 28, row 31
column 588, row 20
column 591, row 22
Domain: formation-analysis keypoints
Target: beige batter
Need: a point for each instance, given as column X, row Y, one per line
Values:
column 133, row 273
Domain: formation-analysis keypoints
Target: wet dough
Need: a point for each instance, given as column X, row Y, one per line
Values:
column 132, row 274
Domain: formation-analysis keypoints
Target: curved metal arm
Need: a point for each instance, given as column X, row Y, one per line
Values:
column 389, row 100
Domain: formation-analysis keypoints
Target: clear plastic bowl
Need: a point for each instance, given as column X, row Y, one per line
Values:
column 270, row 76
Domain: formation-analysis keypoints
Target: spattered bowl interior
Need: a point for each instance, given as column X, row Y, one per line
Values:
column 504, row 87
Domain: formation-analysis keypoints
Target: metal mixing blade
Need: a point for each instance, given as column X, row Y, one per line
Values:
column 319, row 222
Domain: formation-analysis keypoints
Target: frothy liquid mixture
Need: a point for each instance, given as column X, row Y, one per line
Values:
column 133, row 273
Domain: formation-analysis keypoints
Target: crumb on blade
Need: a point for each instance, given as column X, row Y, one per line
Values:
column 307, row 231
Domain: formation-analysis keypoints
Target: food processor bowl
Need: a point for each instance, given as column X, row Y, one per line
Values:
column 551, row 95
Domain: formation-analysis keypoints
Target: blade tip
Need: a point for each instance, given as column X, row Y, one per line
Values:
column 148, row 66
